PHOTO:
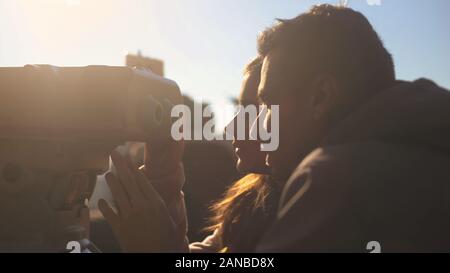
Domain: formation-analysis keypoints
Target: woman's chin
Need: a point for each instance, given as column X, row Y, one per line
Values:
column 241, row 166
column 244, row 166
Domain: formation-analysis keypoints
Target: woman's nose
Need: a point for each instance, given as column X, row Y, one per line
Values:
column 230, row 129
column 258, row 124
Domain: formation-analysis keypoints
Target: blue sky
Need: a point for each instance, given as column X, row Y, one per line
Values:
column 204, row 43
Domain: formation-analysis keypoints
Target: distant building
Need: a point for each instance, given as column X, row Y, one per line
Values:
column 155, row 65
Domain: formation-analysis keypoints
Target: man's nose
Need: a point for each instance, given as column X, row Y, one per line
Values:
column 268, row 121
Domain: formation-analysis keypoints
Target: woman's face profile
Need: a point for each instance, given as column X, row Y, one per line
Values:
column 250, row 157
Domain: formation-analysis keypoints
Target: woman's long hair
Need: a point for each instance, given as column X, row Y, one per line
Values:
column 243, row 210
column 240, row 215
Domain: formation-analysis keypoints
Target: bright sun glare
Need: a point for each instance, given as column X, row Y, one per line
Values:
column 73, row 2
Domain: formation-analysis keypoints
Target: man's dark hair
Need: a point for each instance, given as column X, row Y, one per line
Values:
column 334, row 40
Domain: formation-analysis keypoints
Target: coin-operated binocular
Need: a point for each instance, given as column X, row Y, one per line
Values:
column 58, row 126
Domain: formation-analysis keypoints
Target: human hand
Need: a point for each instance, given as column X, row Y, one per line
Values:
column 142, row 222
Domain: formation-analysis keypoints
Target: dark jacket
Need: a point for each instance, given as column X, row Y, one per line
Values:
column 383, row 174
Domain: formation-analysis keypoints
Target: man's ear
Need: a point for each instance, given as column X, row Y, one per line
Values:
column 324, row 95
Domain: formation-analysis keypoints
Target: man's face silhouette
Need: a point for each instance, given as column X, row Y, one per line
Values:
column 300, row 129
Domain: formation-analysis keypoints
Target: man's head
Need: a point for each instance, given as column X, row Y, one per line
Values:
column 318, row 67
